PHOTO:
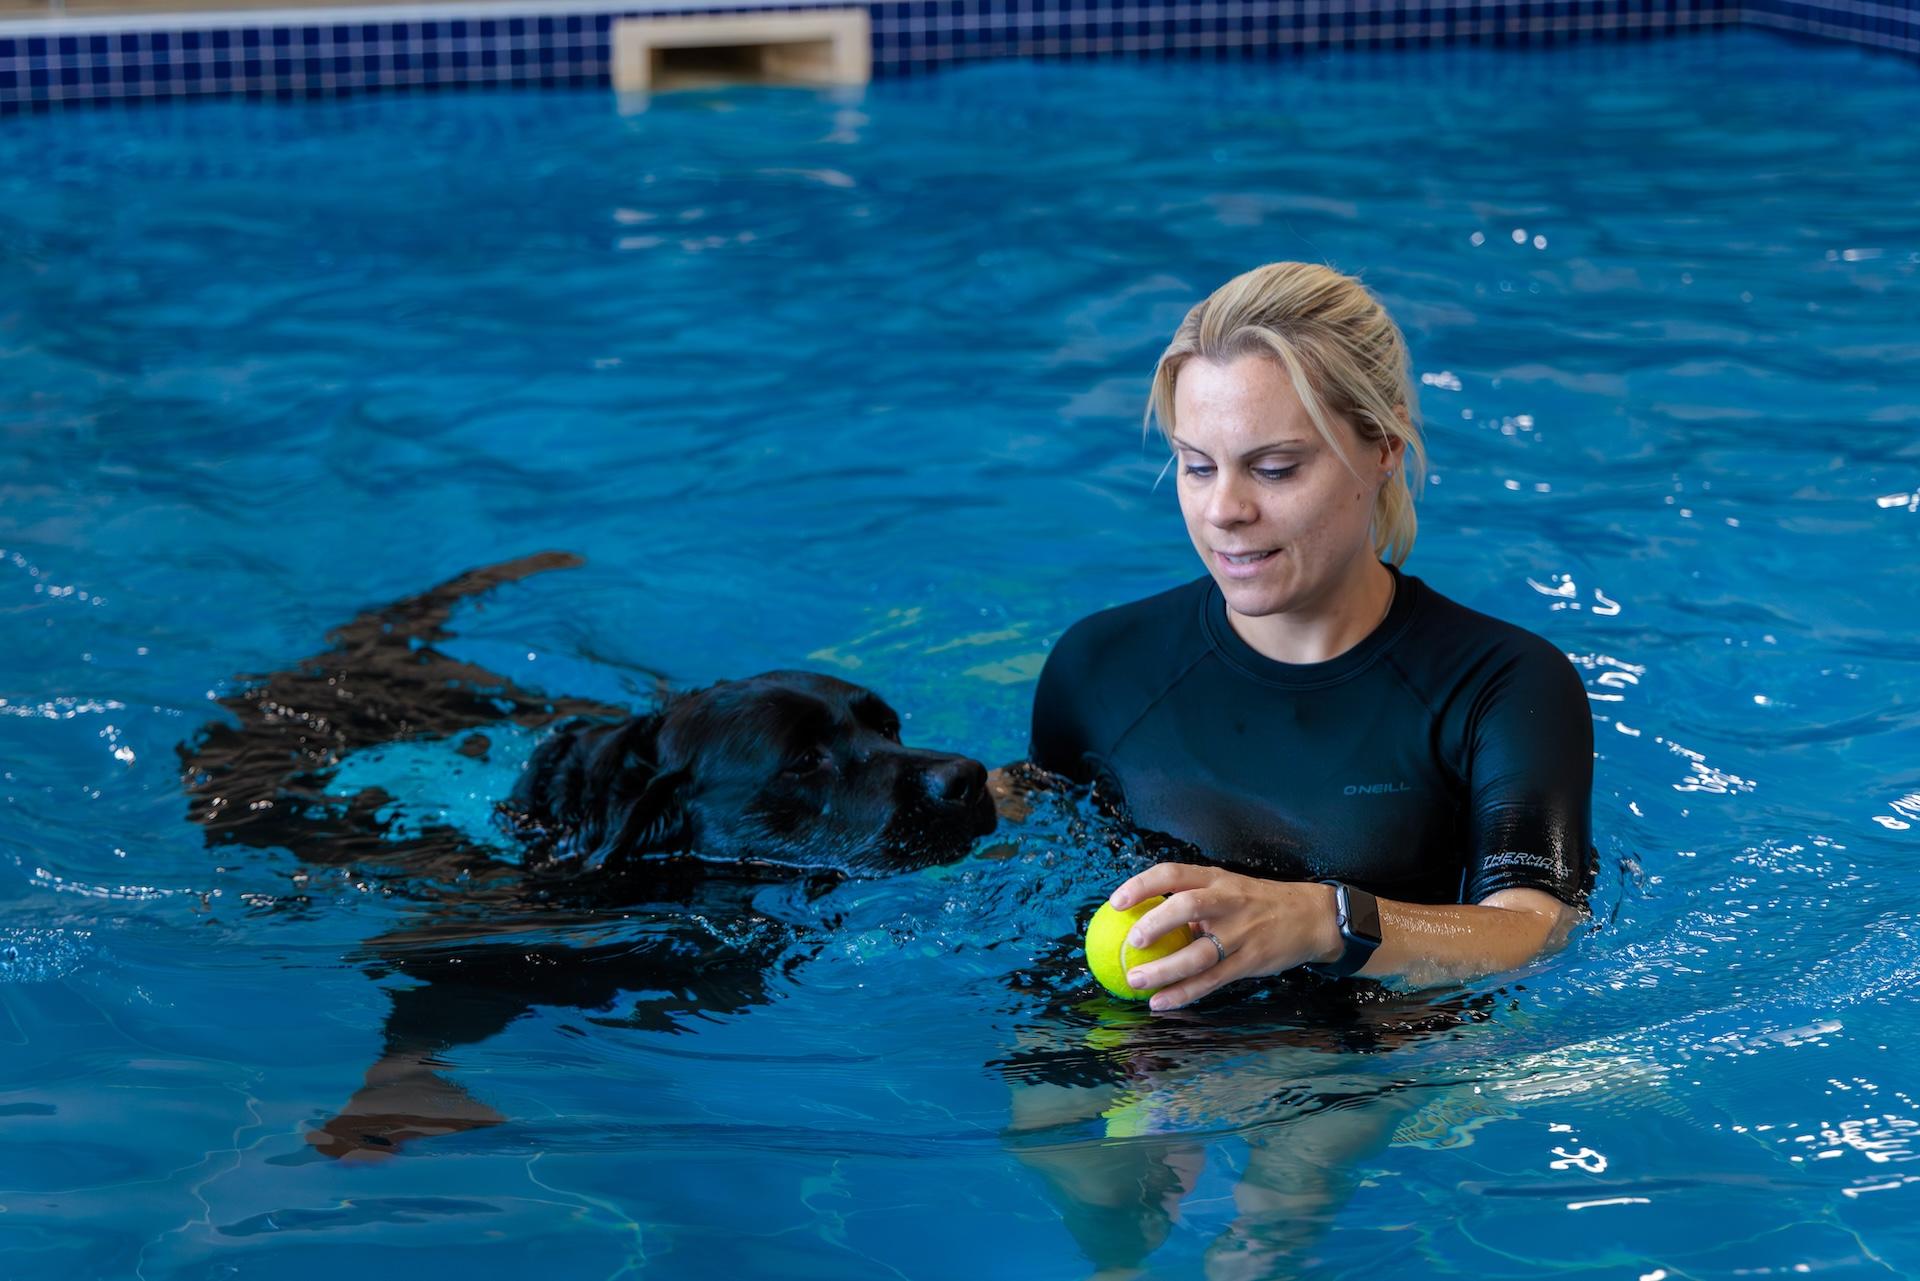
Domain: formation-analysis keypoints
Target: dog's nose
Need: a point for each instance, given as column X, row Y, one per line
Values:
column 955, row 782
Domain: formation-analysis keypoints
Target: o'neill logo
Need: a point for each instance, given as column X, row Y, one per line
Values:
column 1375, row 789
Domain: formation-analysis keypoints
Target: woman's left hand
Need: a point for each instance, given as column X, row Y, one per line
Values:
column 1264, row 926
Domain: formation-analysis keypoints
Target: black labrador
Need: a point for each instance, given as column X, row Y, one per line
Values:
column 641, row 837
column 787, row 768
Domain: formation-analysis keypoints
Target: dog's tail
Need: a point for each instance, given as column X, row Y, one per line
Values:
column 422, row 618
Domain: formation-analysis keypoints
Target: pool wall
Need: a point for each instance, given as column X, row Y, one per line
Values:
column 1891, row 24
column 70, row 59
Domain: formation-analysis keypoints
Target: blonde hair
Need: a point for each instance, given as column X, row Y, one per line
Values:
column 1345, row 357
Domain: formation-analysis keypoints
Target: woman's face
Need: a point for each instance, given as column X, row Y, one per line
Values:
column 1281, row 520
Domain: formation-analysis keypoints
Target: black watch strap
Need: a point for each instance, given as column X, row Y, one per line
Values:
column 1358, row 914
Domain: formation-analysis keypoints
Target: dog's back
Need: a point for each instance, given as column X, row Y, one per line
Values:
column 788, row 775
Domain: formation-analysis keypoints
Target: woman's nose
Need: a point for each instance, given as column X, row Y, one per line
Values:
column 1227, row 503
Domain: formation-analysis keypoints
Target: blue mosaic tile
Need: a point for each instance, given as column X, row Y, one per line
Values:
column 1886, row 24
column 317, row 58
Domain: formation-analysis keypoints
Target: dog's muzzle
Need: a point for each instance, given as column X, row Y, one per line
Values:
column 959, row 782
column 953, row 806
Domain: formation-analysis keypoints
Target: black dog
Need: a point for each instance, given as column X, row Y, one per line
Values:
column 678, row 816
column 790, row 768
column 787, row 768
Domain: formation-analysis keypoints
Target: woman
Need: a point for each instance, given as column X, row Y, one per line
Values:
column 1384, row 783
column 1389, row 784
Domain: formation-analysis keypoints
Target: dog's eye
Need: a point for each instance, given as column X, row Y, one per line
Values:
column 805, row 763
column 892, row 730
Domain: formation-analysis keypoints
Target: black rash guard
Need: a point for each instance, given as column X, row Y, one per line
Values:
column 1445, row 757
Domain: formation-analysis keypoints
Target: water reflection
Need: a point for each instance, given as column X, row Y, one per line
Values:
column 1115, row 1112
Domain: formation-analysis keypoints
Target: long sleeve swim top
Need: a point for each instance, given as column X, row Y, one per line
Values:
column 1447, row 756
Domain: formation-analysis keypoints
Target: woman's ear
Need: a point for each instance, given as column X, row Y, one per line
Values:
column 1394, row 447
column 1393, row 451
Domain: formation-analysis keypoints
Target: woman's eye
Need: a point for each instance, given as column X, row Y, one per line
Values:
column 1202, row 470
column 1274, row 473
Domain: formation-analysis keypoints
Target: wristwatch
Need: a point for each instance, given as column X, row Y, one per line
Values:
column 1358, row 913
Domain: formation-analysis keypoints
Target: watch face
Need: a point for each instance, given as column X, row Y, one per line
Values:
column 1363, row 916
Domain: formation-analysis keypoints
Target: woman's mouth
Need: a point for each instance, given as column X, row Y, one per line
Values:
column 1243, row 564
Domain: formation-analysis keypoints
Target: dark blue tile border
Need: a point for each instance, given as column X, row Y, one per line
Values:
column 910, row 36
column 322, row 59
column 311, row 60
column 1884, row 24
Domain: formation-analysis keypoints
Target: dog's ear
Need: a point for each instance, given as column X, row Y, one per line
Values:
column 602, row 792
column 644, row 797
column 655, row 822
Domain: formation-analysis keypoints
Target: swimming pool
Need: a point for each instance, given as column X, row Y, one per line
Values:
column 854, row 384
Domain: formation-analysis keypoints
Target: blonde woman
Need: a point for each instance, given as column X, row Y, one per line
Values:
column 1382, row 782
column 1385, row 783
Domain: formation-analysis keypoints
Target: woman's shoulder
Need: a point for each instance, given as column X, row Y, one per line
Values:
column 1115, row 656
column 1444, row 619
column 1453, row 645
column 1164, row 624
column 1104, row 669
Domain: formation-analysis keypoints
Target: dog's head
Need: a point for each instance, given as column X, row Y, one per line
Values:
column 793, row 768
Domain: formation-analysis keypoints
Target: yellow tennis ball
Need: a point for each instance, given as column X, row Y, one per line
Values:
column 1109, row 955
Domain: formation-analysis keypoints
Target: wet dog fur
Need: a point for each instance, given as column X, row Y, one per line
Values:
column 677, row 816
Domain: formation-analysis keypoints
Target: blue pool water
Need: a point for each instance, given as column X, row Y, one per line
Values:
column 854, row 384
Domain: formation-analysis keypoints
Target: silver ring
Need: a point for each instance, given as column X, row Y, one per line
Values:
column 1218, row 946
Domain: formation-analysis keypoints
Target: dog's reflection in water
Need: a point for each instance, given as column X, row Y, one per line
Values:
column 677, row 817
